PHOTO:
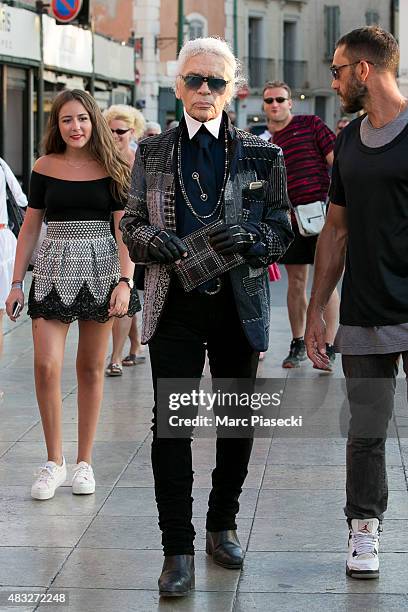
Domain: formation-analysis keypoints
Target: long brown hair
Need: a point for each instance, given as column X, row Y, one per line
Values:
column 101, row 145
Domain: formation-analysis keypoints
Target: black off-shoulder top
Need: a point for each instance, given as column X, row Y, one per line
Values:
column 65, row 200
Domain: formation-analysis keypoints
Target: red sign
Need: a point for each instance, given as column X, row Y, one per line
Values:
column 66, row 11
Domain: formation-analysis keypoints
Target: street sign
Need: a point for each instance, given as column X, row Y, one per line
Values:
column 66, row 11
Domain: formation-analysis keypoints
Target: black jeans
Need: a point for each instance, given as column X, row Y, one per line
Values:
column 192, row 323
column 367, row 488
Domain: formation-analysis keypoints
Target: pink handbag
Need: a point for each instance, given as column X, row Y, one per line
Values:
column 274, row 272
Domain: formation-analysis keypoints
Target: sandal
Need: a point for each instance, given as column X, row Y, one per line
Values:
column 113, row 369
column 132, row 359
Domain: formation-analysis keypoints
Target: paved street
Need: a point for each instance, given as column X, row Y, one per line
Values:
column 104, row 550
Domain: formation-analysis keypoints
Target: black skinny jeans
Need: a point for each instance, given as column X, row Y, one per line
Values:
column 192, row 323
column 371, row 400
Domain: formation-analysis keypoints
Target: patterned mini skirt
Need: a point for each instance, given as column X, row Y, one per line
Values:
column 75, row 272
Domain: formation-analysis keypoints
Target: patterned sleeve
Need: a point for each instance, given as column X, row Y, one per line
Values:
column 275, row 228
column 136, row 228
column 325, row 138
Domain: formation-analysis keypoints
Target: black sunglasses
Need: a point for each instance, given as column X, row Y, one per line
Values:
column 120, row 131
column 194, row 82
column 335, row 70
column 279, row 99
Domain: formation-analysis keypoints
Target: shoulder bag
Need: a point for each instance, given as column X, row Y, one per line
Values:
column 310, row 218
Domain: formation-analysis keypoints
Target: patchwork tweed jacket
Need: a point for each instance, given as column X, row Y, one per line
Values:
column 151, row 207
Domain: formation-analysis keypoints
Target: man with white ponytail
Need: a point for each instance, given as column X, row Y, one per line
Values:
column 204, row 176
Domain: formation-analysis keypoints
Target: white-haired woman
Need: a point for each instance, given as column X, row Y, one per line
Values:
column 152, row 129
column 127, row 125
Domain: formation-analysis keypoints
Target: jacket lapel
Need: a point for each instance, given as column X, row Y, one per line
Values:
column 168, row 195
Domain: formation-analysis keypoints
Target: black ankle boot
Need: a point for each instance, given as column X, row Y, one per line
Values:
column 225, row 548
column 177, row 577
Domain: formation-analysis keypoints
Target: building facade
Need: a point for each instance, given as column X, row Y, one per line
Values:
column 294, row 41
column 156, row 37
column 129, row 56
column 290, row 40
column 39, row 58
column 401, row 24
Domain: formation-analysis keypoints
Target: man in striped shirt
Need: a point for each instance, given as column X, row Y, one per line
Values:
column 307, row 145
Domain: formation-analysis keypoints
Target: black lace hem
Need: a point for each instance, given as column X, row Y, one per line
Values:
column 83, row 308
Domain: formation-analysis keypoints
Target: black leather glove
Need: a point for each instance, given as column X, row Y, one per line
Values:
column 228, row 239
column 166, row 247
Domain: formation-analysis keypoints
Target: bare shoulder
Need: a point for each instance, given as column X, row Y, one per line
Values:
column 45, row 164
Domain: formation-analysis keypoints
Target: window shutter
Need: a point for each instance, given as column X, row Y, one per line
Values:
column 332, row 28
column 372, row 18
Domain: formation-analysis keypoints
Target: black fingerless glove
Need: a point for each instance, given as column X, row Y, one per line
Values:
column 165, row 247
column 227, row 239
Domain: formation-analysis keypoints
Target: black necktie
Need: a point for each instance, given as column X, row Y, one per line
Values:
column 204, row 174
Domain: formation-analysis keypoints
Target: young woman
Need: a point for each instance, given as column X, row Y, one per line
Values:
column 80, row 273
column 127, row 125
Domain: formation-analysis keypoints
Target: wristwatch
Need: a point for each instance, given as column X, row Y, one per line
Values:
column 128, row 281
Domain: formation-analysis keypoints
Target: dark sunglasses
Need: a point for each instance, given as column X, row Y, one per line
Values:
column 120, row 131
column 194, row 82
column 335, row 70
column 279, row 99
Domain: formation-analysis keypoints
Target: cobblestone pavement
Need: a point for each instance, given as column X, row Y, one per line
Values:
column 104, row 550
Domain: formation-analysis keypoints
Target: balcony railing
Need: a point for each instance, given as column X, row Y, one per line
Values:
column 294, row 73
column 259, row 70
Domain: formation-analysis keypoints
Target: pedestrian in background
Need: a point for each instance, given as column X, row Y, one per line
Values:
column 307, row 144
column 341, row 124
column 7, row 238
column 366, row 228
column 152, row 129
column 127, row 125
column 80, row 273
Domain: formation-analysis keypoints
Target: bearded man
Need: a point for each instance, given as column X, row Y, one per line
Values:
column 367, row 228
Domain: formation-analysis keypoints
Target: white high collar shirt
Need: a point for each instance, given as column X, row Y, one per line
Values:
column 266, row 135
column 213, row 125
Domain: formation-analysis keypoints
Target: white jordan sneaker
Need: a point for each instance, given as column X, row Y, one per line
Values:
column 49, row 477
column 362, row 561
column 83, row 481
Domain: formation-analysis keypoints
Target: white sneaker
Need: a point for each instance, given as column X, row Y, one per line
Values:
column 362, row 561
column 83, row 481
column 49, row 477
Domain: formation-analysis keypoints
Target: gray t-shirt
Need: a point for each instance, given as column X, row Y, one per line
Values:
column 355, row 340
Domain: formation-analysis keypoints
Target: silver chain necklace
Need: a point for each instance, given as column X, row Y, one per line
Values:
column 217, row 209
column 74, row 165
